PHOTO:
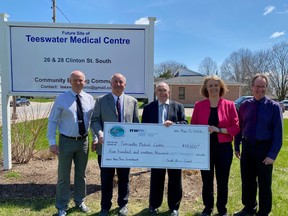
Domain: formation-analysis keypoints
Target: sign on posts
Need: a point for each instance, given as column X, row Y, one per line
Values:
column 36, row 59
column 43, row 56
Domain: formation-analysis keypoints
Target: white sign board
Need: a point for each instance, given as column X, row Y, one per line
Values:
column 42, row 58
column 156, row 146
column 36, row 59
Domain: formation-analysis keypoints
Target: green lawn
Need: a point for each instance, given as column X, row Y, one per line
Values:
column 25, row 207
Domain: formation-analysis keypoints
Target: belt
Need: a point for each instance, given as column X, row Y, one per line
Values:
column 75, row 138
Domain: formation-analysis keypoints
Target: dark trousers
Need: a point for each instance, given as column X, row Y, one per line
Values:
column 254, row 171
column 107, row 175
column 174, row 188
column 221, row 156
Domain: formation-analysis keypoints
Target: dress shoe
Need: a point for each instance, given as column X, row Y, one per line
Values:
column 61, row 212
column 204, row 214
column 123, row 211
column 221, row 214
column 243, row 213
column 153, row 211
column 104, row 212
column 82, row 207
column 261, row 214
column 174, row 213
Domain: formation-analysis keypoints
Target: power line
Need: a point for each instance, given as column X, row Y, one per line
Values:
column 63, row 14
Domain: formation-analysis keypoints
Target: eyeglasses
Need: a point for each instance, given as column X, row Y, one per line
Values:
column 162, row 90
column 260, row 87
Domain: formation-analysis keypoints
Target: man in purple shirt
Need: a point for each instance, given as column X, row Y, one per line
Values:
column 260, row 121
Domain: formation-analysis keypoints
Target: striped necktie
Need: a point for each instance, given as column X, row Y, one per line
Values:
column 118, row 105
column 81, row 125
column 163, row 113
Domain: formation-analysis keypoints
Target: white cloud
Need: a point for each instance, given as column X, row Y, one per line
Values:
column 268, row 10
column 144, row 21
column 284, row 12
column 277, row 34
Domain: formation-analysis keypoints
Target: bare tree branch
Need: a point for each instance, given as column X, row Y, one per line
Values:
column 167, row 69
column 208, row 66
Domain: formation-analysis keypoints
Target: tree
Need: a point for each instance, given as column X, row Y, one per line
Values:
column 237, row 66
column 241, row 66
column 208, row 66
column 168, row 74
column 278, row 73
column 167, row 69
column 261, row 61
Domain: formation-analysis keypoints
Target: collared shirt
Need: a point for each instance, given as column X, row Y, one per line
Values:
column 269, row 125
column 166, row 104
column 64, row 115
column 121, row 97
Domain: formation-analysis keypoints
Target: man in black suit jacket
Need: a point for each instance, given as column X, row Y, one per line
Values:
column 165, row 112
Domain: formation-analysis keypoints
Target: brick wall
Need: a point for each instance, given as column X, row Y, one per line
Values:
column 192, row 93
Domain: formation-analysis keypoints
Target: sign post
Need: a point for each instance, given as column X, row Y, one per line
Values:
column 6, row 121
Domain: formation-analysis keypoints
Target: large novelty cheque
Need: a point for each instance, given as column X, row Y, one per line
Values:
column 156, row 146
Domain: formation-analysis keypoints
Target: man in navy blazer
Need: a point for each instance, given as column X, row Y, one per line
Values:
column 167, row 112
column 106, row 110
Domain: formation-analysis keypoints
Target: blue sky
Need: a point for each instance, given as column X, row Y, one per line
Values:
column 186, row 31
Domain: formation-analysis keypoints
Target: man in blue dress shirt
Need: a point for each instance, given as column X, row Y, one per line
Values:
column 261, row 132
column 72, row 145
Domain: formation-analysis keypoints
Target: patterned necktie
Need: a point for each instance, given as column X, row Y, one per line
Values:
column 118, row 105
column 81, row 125
column 163, row 113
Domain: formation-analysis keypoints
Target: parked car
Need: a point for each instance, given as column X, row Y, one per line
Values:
column 21, row 102
column 282, row 107
column 240, row 100
column 284, row 103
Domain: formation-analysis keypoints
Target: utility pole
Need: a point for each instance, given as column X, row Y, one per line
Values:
column 54, row 11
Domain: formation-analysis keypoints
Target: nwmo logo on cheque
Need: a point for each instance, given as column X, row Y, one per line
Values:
column 117, row 131
column 137, row 130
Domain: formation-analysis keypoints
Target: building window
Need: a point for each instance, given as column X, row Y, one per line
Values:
column 181, row 93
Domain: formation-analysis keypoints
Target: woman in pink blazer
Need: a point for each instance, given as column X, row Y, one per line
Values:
column 222, row 118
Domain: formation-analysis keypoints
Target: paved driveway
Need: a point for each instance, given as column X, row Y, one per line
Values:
column 34, row 111
column 41, row 110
